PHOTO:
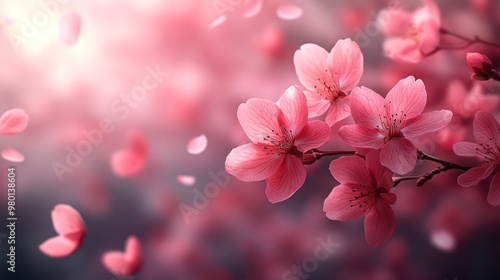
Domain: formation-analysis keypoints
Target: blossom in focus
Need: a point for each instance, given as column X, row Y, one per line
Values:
column 364, row 190
column 410, row 36
column 280, row 133
column 482, row 67
column 391, row 123
column 487, row 150
column 328, row 77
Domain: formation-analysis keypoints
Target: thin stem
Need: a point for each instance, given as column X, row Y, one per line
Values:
column 449, row 165
column 319, row 154
column 422, row 179
column 469, row 42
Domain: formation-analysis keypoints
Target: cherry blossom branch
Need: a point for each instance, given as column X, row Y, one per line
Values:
column 319, row 154
column 468, row 42
column 422, row 179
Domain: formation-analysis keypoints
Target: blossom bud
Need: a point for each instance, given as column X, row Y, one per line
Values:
column 481, row 65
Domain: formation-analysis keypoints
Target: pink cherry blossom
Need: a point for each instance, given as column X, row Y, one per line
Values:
column 410, row 36
column 391, row 123
column 363, row 190
column 280, row 133
column 328, row 77
column 487, row 150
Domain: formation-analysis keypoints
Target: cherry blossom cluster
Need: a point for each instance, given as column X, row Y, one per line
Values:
column 284, row 138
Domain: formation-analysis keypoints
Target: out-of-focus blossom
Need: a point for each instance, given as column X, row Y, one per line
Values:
column 69, row 225
column 363, row 190
column 411, row 35
column 280, row 134
column 487, row 150
column 392, row 123
column 328, row 77
column 131, row 160
column 482, row 67
column 69, row 28
column 466, row 103
column 125, row 263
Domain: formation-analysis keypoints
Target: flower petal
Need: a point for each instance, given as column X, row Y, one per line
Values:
column 251, row 8
column 13, row 122
column 59, row 246
column 286, row 180
column 475, row 175
column 338, row 204
column 12, row 155
column 361, row 136
column 310, row 64
column 314, row 135
column 407, row 96
column 197, row 145
column 494, row 192
column 67, row 220
column 259, row 118
column 350, row 170
column 294, row 106
column 366, row 106
column 402, row 49
column 485, row 127
column 465, row 149
column 339, row 110
column 381, row 174
column 250, row 162
column 346, row 60
column 380, row 223
column 316, row 104
column 289, row 12
column 426, row 123
column 399, row 155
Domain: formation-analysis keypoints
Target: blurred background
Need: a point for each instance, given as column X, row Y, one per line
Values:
column 132, row 108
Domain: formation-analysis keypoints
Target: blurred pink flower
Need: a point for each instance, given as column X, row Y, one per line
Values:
column 328, row 77
column 466, row 103
column 280, row 133
column 482, row 67
column 130, row 161
column 487, row 150
column 363, row 190
column 392, row 123
column 411, row 35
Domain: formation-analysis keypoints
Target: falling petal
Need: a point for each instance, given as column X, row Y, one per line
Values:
column 443, row 240
column 12, row 155
column 251, row 8
column 125, row 263
column 197, row 145
column 218, row 21
column 69, row 28
column 289, row 12
column 186, row 180
column 13, row 122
